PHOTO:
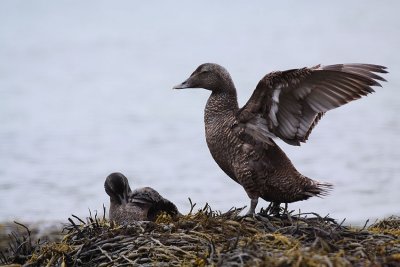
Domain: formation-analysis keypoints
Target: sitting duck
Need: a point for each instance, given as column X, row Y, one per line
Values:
column 142, row 204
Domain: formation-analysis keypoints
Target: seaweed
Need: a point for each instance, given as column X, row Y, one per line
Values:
column 212, row 238
column 21, row 246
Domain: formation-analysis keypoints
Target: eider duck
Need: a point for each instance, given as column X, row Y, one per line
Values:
column 143, row 204
column 286, row 105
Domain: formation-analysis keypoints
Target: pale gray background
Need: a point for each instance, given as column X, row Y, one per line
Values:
column 85, row 90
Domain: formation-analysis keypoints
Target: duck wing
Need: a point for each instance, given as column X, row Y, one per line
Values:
column 288, row 104
column 158, row 203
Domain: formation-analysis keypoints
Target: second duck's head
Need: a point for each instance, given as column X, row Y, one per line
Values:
column 117, row 187
column 209, row 76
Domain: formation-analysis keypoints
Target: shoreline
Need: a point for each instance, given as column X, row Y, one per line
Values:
column 208, row 237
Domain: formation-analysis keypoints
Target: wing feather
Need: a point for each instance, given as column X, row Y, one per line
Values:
column 289, row 104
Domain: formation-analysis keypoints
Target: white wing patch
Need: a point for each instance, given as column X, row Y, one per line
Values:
column 275, row 105
column 257, row 127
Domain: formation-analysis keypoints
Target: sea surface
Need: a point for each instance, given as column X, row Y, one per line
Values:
column 86, row 90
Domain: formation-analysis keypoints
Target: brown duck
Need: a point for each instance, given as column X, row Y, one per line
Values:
column 286, row 105
column 143, row 204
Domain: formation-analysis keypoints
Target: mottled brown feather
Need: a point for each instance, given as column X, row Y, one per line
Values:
column 304, row 95
column 285, row 104
column 142, row 204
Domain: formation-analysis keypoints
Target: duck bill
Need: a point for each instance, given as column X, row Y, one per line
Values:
column 183, row 85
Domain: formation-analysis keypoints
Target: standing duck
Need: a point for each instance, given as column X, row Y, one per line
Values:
column 142, row 204
column 286, row 105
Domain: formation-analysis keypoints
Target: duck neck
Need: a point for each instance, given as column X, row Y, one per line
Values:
column 221, row 103
column 113, row 209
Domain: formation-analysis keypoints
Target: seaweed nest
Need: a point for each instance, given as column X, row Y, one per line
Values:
column 209, row 238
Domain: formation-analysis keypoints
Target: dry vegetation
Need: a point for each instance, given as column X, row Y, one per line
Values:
column 208, row 238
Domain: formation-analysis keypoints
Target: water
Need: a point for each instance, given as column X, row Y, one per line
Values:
column 85, row 90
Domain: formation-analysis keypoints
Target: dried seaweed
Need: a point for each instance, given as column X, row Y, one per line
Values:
column 211, row 238
column 21, row 246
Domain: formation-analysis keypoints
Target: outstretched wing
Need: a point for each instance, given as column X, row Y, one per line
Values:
column 290, row 103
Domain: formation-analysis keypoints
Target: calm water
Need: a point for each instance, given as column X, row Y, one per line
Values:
column 85, row 90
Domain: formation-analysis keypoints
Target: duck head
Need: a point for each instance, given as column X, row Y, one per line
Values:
column 209, row 76
column 117, row 187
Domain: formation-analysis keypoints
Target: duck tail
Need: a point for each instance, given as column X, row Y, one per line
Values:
column 318, row 189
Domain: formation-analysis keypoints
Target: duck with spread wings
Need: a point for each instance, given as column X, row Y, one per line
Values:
column 286, row 105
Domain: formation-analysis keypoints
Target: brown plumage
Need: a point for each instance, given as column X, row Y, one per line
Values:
column 142, row 204
column 286, row 105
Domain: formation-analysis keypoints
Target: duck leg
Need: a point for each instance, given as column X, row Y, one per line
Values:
column 253, row 205
column 275, row 208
